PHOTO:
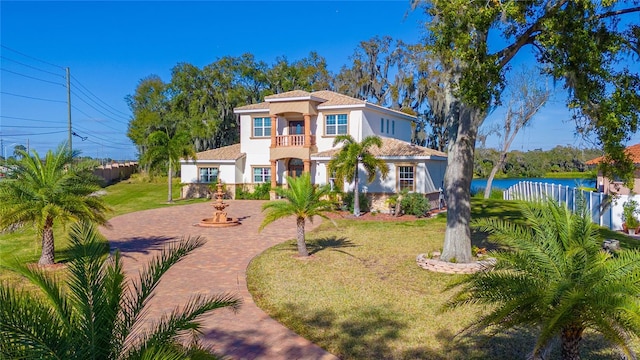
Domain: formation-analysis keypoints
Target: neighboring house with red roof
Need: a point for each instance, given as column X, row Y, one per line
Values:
column 293, row 132
column 615, row 186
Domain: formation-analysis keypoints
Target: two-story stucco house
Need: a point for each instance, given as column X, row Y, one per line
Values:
column 293, row 132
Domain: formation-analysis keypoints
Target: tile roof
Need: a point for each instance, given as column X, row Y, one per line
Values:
column 391, row 148
column 331, row 98
column 334, row 98
column 288, row 94
column 258, row 106
column 231, row 152
column 633, row 151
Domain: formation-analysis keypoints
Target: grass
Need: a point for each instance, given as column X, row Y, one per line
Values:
column 362, row 296
column 572, row 175
column 136, row 194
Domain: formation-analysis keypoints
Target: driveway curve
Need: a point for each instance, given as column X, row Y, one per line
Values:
column 217, row 267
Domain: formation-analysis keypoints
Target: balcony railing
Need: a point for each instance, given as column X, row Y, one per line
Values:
column 293, row 140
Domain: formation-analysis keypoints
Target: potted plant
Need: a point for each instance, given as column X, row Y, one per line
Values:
column 629, row 216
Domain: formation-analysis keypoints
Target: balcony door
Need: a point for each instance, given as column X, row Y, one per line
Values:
column 296, row 127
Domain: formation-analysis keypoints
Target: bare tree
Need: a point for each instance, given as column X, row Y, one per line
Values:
column 527, row 96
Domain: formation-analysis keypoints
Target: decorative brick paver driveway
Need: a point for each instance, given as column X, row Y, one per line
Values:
column 219, row 266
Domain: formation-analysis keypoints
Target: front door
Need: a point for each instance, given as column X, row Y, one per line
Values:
column 296, row 167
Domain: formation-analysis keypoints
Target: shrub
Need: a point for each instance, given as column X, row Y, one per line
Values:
column 260, row 192
column 347, row 200
column 415, row 204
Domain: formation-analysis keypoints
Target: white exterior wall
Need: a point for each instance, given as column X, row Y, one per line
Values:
column 434, row 172
column 188, row 173
column 371, row 125
column 226, row 171
column 320, row 173
column 354, row 127
column 256, row 149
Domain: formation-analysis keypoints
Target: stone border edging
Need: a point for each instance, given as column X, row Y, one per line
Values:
column 437, row 265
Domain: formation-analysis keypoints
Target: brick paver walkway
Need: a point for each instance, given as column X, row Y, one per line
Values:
column 219, row 266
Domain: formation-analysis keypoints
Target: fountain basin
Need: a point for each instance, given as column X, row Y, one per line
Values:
column 211, row 222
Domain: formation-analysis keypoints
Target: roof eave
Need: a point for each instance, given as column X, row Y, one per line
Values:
column 296, row 98
column 250, row 111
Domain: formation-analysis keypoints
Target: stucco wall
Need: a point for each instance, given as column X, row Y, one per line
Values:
column 371, row 125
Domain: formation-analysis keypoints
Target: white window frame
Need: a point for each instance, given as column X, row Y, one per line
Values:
column 266, row 130
column 400, row 178
column 336, row 124
column 265, row 174
column 208, row 175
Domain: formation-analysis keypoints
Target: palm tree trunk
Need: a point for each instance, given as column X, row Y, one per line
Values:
column 356, row 193
column 302, row 246
column 170, row 195
column 48, row 250
column 571, row 337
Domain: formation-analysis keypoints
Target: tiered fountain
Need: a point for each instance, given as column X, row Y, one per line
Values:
column 219, row 218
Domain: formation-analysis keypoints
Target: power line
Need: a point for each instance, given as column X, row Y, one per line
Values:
column 95, row 96
column 90, row 132
column 32, row 77
column 31, row 97
column 31, row 57
column 91, row 117
column 111, row 146
column 27, row 119
column 36, row 134
column 32, row 67
column 31, row 127
column 96, row 109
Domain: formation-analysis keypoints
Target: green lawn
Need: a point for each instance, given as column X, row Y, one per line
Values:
column 124, row 197
column 362, row 296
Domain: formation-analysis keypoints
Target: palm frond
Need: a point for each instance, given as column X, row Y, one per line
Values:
column 142, row 290
column 185, row 318
column 30, row 328
column 553, row 274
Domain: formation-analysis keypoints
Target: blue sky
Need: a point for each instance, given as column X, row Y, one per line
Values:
column 110, row 46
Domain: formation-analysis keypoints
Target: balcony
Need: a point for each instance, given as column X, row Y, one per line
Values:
column 294, row 140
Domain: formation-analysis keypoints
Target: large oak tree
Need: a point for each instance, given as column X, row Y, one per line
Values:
column 581, row 44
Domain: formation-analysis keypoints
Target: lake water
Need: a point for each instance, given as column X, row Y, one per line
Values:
column 503, row 184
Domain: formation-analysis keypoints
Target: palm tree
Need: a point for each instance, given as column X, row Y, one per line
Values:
column 95, row 313
column 302, row 200
column 45, row 191
column 555, row 276
column 165, row 149
column 345, row 164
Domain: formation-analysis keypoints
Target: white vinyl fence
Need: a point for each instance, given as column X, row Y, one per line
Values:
column 604, row 211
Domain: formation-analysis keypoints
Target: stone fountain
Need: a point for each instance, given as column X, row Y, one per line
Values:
column 219, row 218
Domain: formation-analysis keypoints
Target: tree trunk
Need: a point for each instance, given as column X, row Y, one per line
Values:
column 462, row 141
column 494, row 171
column 570, row 338
column 48, row 249
column 302, row 246
column 356, row 194
column 170, row 195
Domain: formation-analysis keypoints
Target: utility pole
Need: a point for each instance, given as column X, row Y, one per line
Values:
column 69, row 106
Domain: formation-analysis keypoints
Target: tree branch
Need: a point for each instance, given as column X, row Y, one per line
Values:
column 618, row 12
column 505, row 55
